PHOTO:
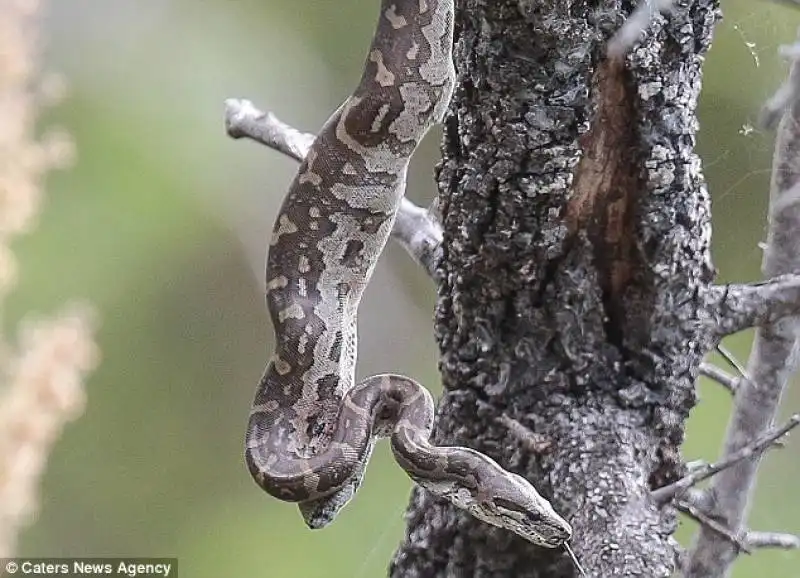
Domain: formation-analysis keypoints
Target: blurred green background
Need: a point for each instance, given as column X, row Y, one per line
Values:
column 163, row 224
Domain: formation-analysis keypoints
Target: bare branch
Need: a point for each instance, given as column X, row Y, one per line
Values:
column 636, row 25
column 772, row 540
column 533, row 442
column 419, row 233
column 706, row 521
column 244, row 120
column 699, row 474
column 731, row 359
column 751, row 540
column 773, row 356
column 415, row 228
column 722, row 377
column 741, row 306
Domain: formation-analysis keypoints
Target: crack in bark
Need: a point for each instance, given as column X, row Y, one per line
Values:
column 606, row 189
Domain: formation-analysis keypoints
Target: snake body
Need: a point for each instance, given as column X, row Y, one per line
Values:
column 312, row 428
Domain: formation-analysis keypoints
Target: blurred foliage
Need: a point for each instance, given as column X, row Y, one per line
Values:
column 157, row 226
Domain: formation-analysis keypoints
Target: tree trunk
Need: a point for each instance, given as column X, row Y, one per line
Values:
column 574, row 286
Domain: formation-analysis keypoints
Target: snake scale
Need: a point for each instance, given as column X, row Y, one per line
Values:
column 312, row 428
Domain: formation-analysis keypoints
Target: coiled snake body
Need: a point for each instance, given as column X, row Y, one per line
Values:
column 312, row 428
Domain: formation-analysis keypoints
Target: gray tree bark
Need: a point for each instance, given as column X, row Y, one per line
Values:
column 575, row 283
column 575, row 296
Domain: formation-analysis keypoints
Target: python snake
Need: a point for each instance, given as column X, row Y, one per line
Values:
column 312, row 428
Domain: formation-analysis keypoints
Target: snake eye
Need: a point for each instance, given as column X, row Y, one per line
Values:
column 531, row 516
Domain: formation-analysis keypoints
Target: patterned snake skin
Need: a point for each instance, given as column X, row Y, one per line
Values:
column 312, row 428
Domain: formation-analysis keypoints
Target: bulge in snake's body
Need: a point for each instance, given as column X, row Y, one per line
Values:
column 329, row 234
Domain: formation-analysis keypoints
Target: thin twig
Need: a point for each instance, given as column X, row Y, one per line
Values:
column 697, row 475
column 752, row 540
column 728, row 356
column 722, row 377
column 415, row 228
column 703, row 519
column 532, row 441
column 694, row 504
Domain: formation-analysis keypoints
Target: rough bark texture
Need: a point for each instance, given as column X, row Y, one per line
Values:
column 574, row 284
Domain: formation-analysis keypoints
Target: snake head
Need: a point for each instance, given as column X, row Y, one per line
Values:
column 511, row 502
column 506, row 500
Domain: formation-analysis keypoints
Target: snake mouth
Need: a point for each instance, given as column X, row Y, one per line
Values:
column 558, row 539
column 555, row 535
column 539, row 525
column 547, row 537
